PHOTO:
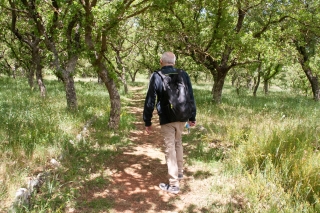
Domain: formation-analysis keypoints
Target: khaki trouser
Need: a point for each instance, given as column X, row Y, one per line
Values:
column 171, row 133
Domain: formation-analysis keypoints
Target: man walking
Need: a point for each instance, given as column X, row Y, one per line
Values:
column 171, row 126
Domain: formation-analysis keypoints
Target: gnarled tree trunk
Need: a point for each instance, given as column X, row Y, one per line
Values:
column 96, row 53
column 73, row 41
column 115, row 101
column 313, row 79
column 68, row 82
column 218, row 84
column 36, row 60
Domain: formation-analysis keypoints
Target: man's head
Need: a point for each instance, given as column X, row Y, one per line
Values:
column 168, row 59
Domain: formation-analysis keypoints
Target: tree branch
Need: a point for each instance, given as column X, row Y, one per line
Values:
column 265, row 28
column 216, row 26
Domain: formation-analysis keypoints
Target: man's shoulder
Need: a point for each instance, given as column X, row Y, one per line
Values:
column 157, row 74
column 179, row 70
column 183, row 72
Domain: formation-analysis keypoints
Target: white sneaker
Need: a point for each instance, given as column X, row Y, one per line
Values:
column 168, row 188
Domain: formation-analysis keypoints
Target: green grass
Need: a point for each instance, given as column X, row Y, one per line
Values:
column 34, row 130
column 268, row 144
column 275, row 140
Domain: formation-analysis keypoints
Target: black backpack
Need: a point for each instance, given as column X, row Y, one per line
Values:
column 175, row 97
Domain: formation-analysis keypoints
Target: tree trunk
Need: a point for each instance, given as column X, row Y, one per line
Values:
column 14, row 71
column 42, row 87
column 36, row 62
column 123, row 71
column 249, row 82
column 238, row 85
column 115, row 111
column 313, row 79
column 266, row 86
column 133, row 76
column 256, row 86
column 68, row 81
column 124, row 81
column 96, row 53
column 234, row 78
column 30, row 75
column 71, row 93
column 218, row 84
column 217, row 91
column 315, row 88
column 65, row 74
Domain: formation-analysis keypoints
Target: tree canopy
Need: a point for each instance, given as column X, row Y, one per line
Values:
column 120, row 38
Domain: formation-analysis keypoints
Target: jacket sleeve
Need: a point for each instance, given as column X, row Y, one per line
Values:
column 150, row 101
column 193, row 102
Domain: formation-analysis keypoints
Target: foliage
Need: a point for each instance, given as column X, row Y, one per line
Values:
column 194, row 30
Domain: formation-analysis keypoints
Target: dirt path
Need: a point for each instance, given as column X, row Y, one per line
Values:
column 140, row 169
column 137, row 172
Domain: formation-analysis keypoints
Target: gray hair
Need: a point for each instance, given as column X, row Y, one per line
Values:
column 168, row 58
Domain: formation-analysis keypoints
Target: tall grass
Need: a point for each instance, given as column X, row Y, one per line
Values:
column 34, row 130
column 275, row 141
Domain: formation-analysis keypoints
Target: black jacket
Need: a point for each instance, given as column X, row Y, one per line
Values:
column 154, row 96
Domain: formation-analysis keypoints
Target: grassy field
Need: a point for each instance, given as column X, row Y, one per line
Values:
column 269, row 144
column 271, row 141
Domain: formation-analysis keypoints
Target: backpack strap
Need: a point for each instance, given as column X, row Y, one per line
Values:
column 160, row 74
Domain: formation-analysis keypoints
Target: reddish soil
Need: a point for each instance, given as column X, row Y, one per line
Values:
column 136, row 173
column 140, row 169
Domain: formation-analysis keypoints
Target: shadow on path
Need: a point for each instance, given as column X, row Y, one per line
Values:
column 130, row 182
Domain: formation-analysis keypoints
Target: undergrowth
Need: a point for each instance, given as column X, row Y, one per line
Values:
column 268, row 144
column 36, row 130
column 271, row 142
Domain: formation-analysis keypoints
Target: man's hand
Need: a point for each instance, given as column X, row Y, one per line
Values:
column 148, row 129
column 192, row 123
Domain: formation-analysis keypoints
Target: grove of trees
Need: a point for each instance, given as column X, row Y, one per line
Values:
column 257, row 40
